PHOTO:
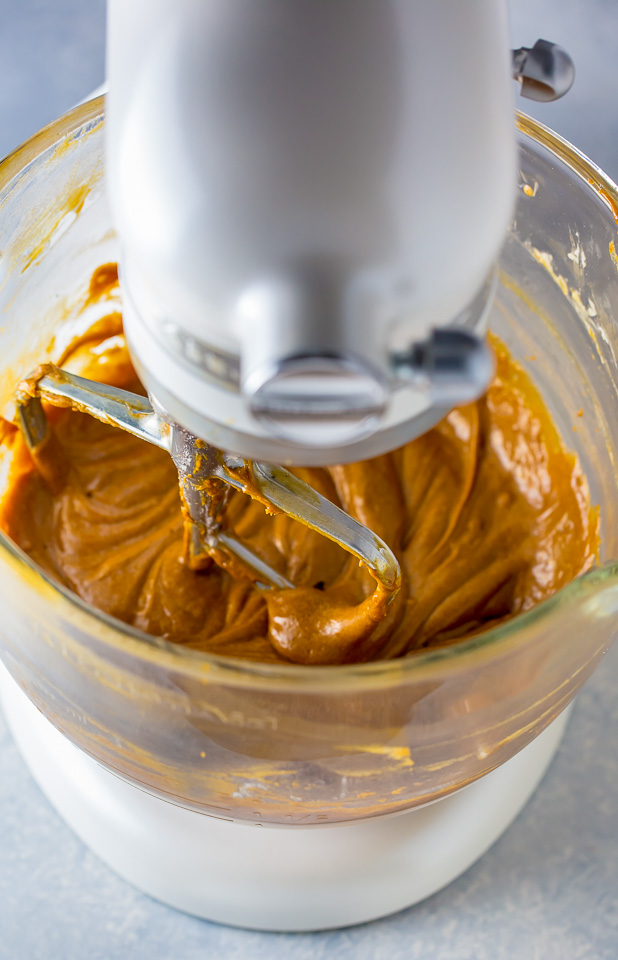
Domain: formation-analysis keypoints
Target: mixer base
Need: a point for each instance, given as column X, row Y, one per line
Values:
column 281, row 878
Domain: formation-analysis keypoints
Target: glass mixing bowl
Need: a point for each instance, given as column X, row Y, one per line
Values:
column 290, row 744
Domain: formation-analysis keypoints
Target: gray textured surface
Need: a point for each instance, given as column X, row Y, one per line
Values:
column 549, row 888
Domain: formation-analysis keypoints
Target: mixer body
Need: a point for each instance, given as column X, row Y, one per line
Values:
column 305, row 192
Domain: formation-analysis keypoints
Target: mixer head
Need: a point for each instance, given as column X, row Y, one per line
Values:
column 310, row 198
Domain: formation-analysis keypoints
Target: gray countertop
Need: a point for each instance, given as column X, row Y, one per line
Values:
column 549, row 888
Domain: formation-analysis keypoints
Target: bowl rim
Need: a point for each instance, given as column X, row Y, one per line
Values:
column 462, row 655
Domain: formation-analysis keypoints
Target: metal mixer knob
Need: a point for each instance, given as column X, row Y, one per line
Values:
column 319, row 399
column 545, row 71
column 301, row 376
column 454, row 365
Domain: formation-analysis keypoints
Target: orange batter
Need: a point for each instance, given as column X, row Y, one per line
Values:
column 487, row 513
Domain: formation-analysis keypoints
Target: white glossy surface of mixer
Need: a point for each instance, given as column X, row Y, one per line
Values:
column 273, row 877
column 304, row 184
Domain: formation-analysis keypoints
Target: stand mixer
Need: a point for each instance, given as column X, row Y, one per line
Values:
column 285, row 180
column 284, row 286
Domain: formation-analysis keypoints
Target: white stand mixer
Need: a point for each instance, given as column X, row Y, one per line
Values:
column 285, row 180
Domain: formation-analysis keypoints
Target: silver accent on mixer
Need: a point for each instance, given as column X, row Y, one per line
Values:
column 206, row 476
column 221, row 366
column 454, row 365
column 546, row 71
column 339, row 397
column 300, row 375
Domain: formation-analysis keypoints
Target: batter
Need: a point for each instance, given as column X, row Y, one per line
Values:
column 487, row 513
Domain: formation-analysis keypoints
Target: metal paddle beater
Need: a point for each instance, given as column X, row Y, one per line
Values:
column 207, row 476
